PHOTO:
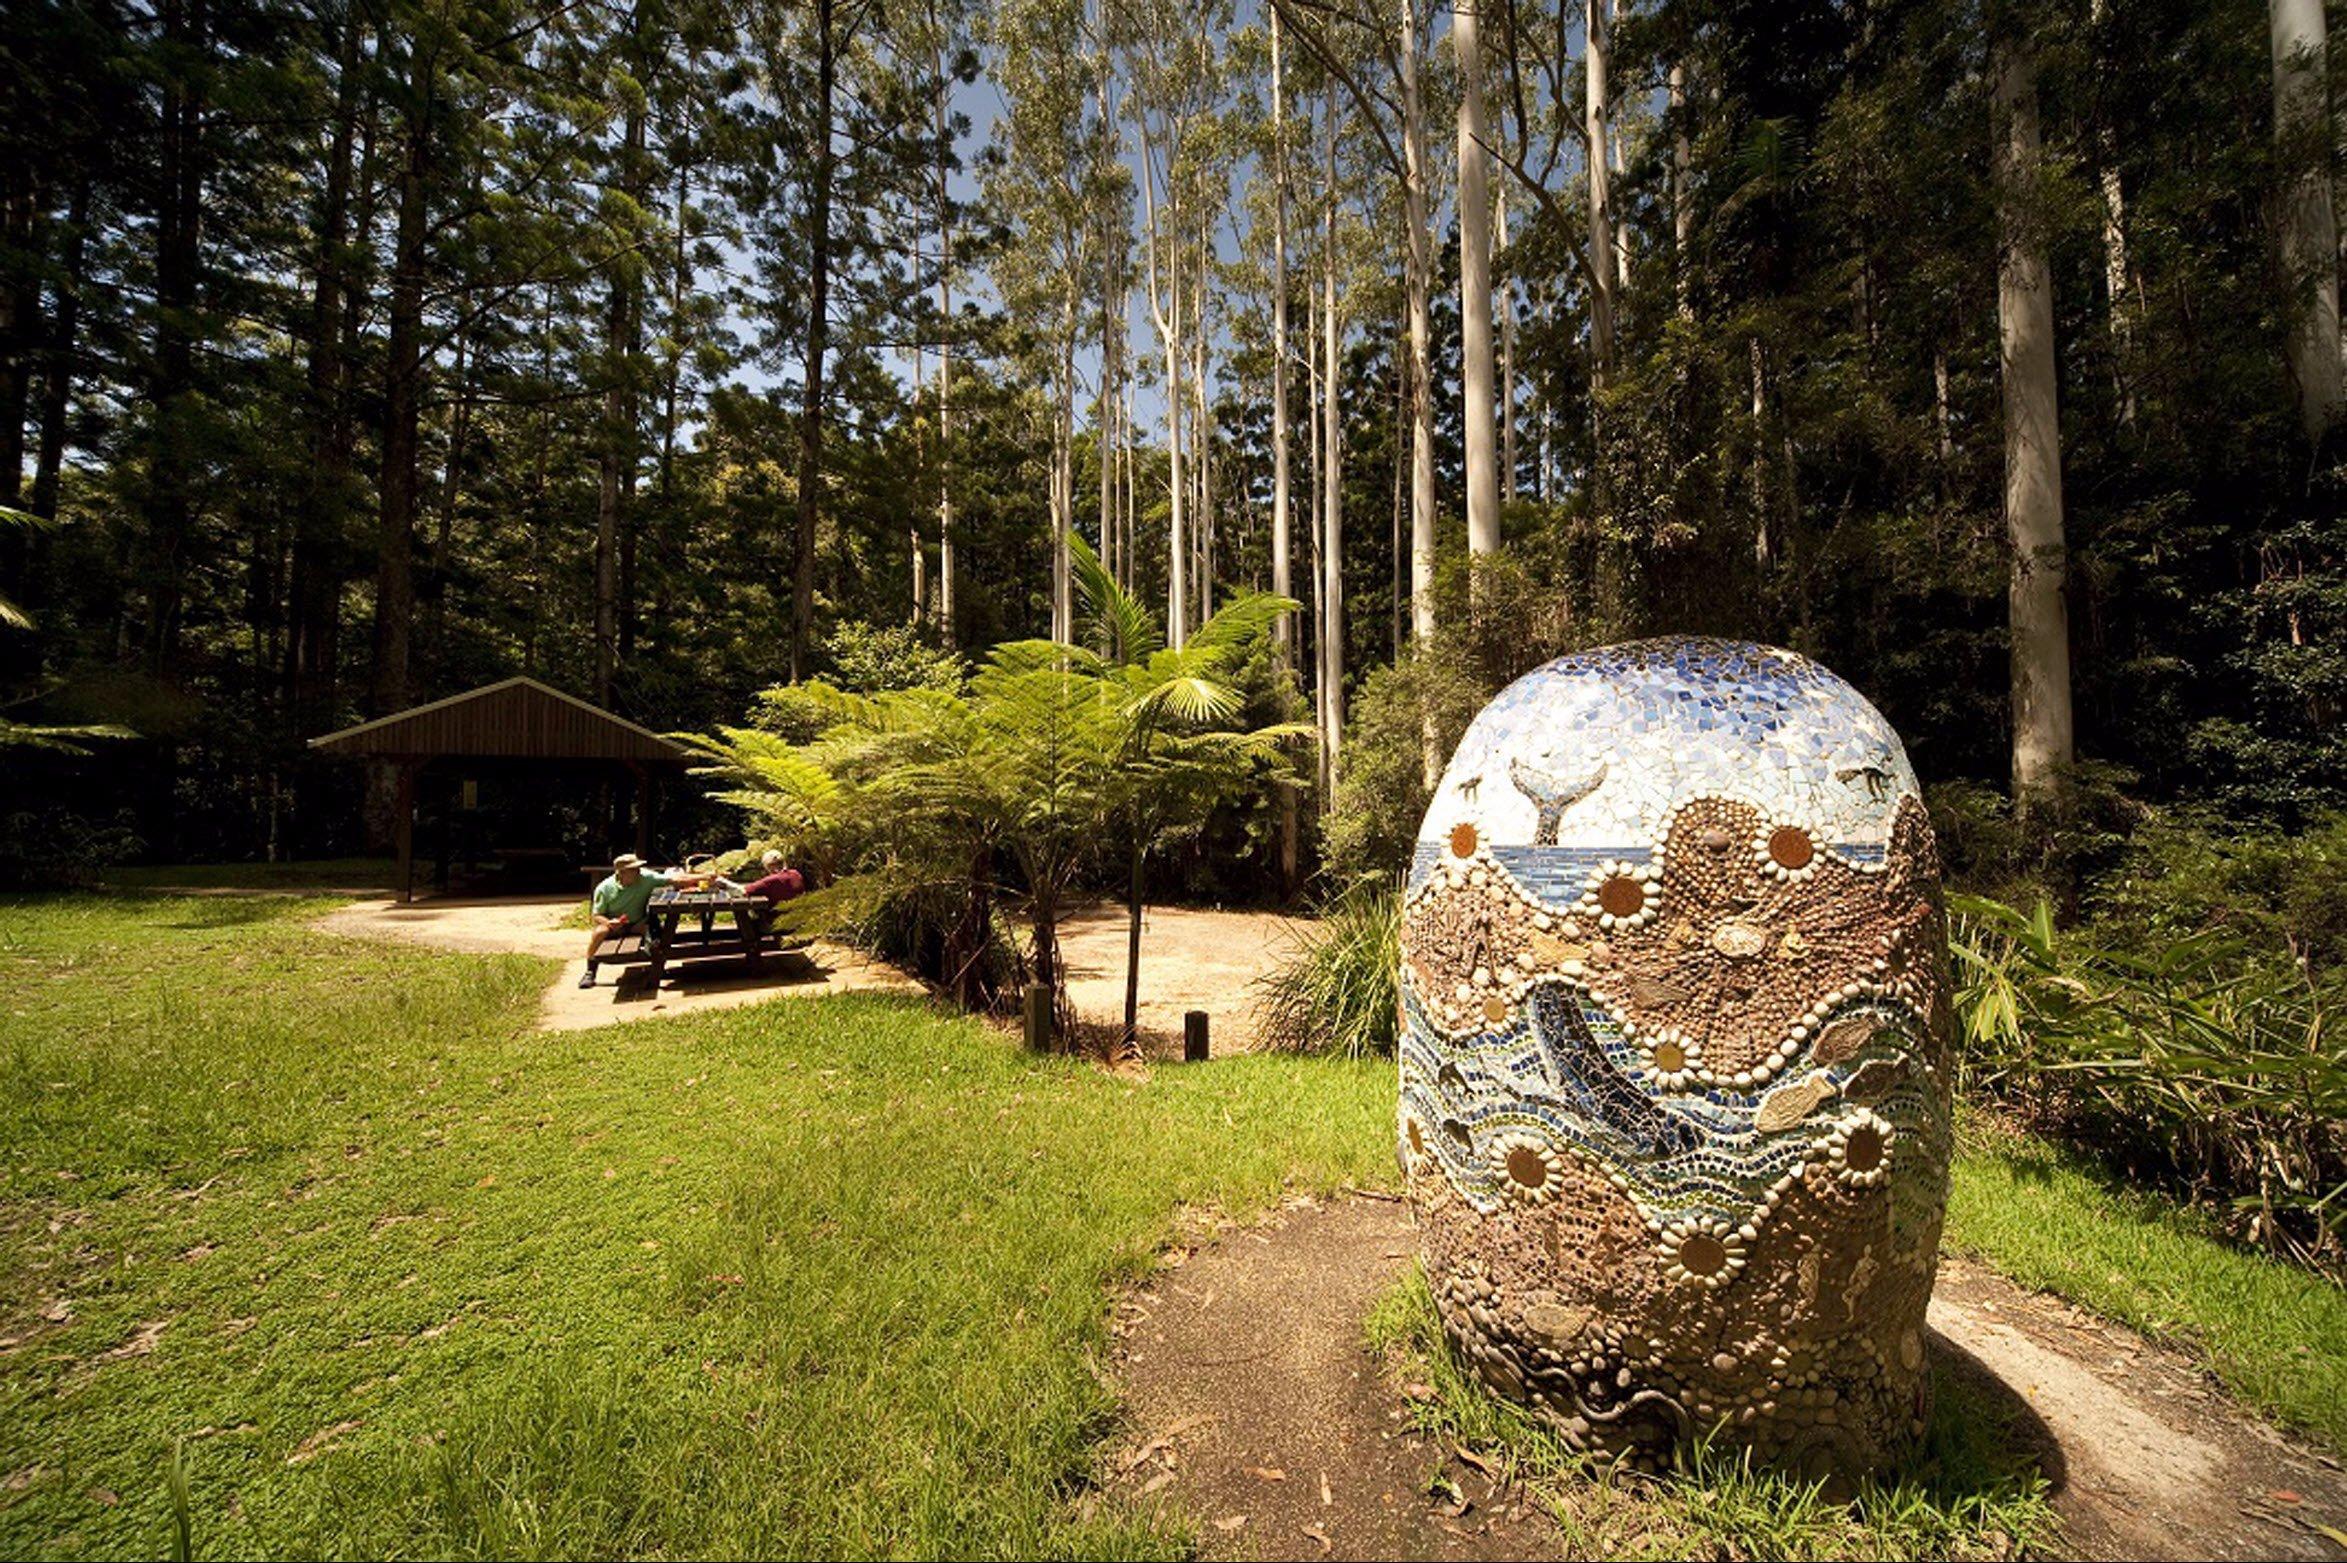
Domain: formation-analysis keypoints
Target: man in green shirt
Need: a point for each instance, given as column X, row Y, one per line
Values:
column 622, row 900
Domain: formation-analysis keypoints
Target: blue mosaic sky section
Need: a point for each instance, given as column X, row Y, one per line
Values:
column 1628, row 732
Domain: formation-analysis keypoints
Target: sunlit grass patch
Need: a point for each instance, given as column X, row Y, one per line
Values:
column 402, row 1275
column 1967, row 1496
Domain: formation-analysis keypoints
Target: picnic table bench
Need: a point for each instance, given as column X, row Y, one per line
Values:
column 681, row 925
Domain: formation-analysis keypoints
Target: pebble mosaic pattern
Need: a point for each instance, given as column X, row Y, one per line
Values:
column 1674, row 1072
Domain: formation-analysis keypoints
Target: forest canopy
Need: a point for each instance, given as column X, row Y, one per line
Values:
column 356, row 354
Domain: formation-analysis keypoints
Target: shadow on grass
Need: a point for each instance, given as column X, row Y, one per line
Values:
column 1982, row 1428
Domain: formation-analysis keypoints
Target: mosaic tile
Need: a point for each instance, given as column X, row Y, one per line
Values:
column 1674, row 1056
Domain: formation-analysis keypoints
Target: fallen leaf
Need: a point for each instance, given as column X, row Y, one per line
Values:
column 2284, row 1495
column 1418, row 1391
column 1321, row 1536
column 1487, row 1466
column 105, row 1495
column 142, row 1340
column 1155, row 1482
column 1267, row 1473
column 1325, row 1498
column 320, row 1442
column 1230, row 1523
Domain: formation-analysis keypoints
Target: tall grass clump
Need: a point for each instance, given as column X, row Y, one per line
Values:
column 2181, row 1062
column 1339, row 990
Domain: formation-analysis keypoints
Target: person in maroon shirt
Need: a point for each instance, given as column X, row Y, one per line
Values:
column 779, row 884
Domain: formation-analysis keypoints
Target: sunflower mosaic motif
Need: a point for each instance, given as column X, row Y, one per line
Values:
column 1674, row 1067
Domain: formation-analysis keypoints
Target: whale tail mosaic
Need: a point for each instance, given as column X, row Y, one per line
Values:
column 1674, row 1066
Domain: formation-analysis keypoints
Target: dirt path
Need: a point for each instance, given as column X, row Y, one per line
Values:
column 1191, row 958
column 1256, row 1407
column 538, row 925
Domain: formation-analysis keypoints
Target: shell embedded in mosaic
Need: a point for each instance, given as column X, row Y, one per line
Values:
column 1674, row 1066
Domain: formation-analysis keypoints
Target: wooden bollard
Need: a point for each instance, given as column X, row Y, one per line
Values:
column 1194, row 1037
column 1038, row 999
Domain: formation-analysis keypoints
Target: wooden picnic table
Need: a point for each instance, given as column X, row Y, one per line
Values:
column 667, row 938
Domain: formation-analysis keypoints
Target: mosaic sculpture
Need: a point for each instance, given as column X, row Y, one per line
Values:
column 1674, row 1066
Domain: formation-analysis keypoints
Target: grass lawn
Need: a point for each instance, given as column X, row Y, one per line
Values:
column 2274, row 1333
column 394, row 1274
column 402, row 1276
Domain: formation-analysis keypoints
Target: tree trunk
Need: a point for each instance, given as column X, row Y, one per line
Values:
column 616, row 450
column 2042, row 732
column 1682, row 209
column 402, row 402
column 1132, row 1033
column 315, row 574
column 1332, row 551
column 1202, row 443
column 1475, row 336
column 1165, row 308
column 946, row 625
column 1111, row 332
column 1417, row 282
column 23, row 218
column 1401, row 547
column 64, row 343
column 1507, row 360
column 1063, row 472
column 2310, row 234
column 1597, row 104
column 818, row 342
column 1284, row 633
column 178, row 239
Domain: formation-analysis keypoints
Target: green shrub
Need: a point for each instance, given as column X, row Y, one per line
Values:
column 2185, row 1065
column 1340, row 991
column 2283, row 896
column 1381, row 790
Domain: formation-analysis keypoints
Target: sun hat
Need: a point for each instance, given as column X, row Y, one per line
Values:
column 627, row 860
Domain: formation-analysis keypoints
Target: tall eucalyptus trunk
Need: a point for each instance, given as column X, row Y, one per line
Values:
column 2310, row 233
column 1417, row 270
column 1284, row 633
column 1332, row 545
column 947, row 626
column 810, row 474
column 2042, row 729
column 1506, row 303
column 1597, row 110
column 1475, row 334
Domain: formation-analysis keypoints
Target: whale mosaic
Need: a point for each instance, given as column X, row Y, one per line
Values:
column 1674, row 1064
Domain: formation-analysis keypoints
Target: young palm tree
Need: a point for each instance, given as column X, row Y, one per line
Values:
column 1176, row 759
column 1051, row 748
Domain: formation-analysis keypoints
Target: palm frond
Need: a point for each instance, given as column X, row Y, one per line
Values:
column 1125, row 630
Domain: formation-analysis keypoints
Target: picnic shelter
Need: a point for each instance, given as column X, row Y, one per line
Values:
column 515, row 727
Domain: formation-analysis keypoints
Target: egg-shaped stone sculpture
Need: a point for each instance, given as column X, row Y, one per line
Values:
column 1674, row 1065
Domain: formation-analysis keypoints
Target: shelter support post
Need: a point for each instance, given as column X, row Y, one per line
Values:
column 404, row 830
